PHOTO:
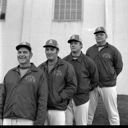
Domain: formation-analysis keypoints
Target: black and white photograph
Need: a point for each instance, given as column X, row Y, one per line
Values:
column 63, row 62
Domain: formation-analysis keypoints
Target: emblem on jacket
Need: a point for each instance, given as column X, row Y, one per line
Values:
column 106, row 55
column 30, row 78
column 57, row 73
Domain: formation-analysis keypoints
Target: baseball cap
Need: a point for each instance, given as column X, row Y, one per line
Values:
column 24, row 44
column 51, row 43
column 100, row 30
column 75, row 38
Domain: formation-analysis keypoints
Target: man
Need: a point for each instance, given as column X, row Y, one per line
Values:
column 87, row 78
column 61, row 83
column 109, row 63
column 24, row 92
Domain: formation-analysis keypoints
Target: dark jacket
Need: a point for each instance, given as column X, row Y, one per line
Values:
column 25, row 97
column 109, row 63
column 62, row 84
column 87, row 77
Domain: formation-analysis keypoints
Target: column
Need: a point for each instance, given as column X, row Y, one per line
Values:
column 26, row 23
column 109, row 19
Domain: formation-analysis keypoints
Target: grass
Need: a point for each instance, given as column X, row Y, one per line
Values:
column 101, row 117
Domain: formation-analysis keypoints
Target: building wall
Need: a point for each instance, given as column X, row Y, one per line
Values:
column 41, row 27
column 32, row 20
column 10, row 35
column 120, row 39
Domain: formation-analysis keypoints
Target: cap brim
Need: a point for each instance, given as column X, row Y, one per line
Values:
column 69, row 41
column 23, row 46
column 50, row 46
column 99, row 32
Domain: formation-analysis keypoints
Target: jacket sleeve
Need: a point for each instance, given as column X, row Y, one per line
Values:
column 93, row 74
column 2, row 99
column 70, row 83
column 1, row 102
column 118, row 63
column 42, row 101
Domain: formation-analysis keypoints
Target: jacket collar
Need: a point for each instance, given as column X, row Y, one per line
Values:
column 79, row 59
column 32, row 68
column 59, row 63
column 106, row 45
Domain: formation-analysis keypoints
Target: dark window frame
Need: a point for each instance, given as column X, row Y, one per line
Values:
column 3, row 6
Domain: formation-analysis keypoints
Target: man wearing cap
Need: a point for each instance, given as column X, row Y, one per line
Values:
column 62, row 83
column 24, row 92
column 87, row 78
column 109, row 63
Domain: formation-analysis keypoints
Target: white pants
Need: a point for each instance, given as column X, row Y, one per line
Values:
column 55, row 117
column 77, row 113
column 109, row 97
column 7, row 121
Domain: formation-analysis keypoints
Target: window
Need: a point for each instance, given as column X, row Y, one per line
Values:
column 68, row 10
column 3, row 4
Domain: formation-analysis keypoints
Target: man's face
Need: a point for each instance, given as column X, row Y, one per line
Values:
column 100, row 38
column 51, row 53
column 75, row 46
column 24, row 55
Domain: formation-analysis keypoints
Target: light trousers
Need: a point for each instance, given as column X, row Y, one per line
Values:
column 109, row 97
column 77, row 113
column 7, row 121
column 55, row 117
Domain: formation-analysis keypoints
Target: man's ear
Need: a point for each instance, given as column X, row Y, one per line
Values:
column 57, row 51
column 31, row 54
column 81, row 45
column 106, row 35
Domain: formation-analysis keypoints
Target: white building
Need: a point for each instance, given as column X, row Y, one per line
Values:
column 36, row 21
